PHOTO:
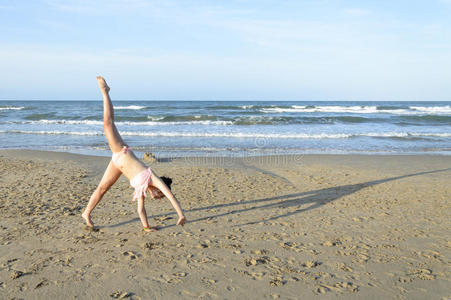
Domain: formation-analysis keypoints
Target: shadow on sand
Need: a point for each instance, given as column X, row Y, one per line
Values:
column 316, row 198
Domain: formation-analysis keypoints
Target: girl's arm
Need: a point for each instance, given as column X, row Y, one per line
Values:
column 159, row 184
column 142, row 212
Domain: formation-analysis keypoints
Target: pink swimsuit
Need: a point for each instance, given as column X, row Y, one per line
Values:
column 116, row 155
column 141, row 181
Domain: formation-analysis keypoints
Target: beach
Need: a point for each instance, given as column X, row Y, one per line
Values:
column 266, row 227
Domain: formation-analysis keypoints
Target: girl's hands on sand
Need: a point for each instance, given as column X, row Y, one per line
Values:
column 181, row 221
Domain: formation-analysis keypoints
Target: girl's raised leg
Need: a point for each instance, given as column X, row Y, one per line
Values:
column 112, row 134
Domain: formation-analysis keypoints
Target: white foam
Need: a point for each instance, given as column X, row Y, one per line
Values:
column 153, row 123
column 405, row 134
column 332, row 108
column 135, row 107
column 445, row 134
column 67, row 122
column 126, row 123
column 240, row 134
column 12, row 108
column 51, row 132
column 413, row 110
column 433, row 109
column 284, row 136
column 235, row 135
column 153, row 118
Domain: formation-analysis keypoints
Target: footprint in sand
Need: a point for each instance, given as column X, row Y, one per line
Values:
column 292, row 246
column 253, row 275
column 311, row 264
column 202, row 245
column 162, row 219
column 207, row 295
column 347, row 286
column 231, row 237
column 321, row 290
column 16, row 274
column 130, row 254
column 208, row 281
column 405, row 279
column 345, row 268
column 260, row 252
column 120, row 295
column 338, row 287
column 151, row 245
column 42, row 283
column 331, row 243
column 256, row 261
column 278, row 281
column 423, row 274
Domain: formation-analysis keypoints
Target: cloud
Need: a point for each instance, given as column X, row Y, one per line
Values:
column 55, row 25
column 8, row 7
column 149, row 8
column 103, row 7
column 356, row 12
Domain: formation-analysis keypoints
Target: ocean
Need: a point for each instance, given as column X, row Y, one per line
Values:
column 231, row 128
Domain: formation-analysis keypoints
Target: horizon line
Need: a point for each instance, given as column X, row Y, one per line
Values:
column 230, row 100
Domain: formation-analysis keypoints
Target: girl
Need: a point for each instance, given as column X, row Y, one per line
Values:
column 125, row 162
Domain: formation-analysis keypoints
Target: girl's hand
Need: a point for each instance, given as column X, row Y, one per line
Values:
column 181, row 221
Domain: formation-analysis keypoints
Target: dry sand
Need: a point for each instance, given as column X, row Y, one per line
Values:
column 289, row 227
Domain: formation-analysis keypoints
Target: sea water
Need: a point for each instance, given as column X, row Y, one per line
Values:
column 231, row 128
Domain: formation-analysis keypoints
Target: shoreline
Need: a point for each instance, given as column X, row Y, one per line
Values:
column 264, row 156
column 381, row 162
column 352, row 226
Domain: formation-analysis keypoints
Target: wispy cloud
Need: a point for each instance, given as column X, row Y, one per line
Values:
column 56, row 25
column 103, row 7
column 356, row 12
column 6, row 7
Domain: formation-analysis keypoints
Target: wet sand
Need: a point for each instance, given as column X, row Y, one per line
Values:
column 288, row 227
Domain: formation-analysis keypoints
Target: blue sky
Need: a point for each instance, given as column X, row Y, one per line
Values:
column 220, row 50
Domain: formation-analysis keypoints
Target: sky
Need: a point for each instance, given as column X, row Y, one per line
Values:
column 226, row 50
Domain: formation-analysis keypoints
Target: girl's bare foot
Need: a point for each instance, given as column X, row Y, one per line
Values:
column 150, row 229
column 87, row 219
column 102, row 84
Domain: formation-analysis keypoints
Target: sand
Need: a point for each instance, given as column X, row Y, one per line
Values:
column 288, row 227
